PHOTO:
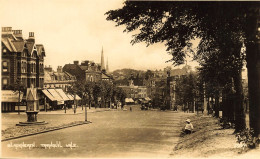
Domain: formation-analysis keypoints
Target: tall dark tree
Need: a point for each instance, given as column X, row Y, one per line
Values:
column 222, row 59
column 177, row 23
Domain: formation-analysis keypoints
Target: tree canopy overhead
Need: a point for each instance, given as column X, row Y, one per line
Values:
column 177, row 23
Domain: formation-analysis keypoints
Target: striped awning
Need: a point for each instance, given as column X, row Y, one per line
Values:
column 70, row 96
column 55, row 95
column 50, row 96
column 62, row 94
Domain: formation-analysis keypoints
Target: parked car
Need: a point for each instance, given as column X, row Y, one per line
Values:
column 144, row 107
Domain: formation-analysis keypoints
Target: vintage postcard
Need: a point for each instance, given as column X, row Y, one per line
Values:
column 130, row 79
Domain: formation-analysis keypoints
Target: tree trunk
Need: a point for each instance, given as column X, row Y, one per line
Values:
column 231, row 108
column 217, row 105
column 224, row 104
column 240, row 121
column 253, row 68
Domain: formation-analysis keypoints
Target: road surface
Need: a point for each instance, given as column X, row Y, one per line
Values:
column 111, row 134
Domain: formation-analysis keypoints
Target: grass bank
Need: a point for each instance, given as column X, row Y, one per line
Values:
column 208, row 140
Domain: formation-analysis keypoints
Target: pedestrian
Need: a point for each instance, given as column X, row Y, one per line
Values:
column 189, row 127
column 130, row 108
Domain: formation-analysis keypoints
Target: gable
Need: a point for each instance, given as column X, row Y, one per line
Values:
column 30, row 96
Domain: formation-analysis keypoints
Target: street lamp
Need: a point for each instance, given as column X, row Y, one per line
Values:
column 86, row 119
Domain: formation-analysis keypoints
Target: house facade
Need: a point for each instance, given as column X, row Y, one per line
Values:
column 22, row 59
column 22, row 66
column 57, row 79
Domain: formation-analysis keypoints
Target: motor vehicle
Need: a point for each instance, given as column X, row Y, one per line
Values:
column 144, row 107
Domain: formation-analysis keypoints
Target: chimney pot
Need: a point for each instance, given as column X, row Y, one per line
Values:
column 76, row 62
column 31, row 34
column 6, row 29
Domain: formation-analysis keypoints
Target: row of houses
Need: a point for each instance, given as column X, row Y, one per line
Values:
column 23, row 67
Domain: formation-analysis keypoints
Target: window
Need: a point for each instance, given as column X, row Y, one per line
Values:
column 5, row 81
column 5, row 66
column 4, row 63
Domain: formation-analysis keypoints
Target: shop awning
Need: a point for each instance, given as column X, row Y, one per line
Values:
column 70, row 96
column 77, row 97
column 11, row 96
column 48, row 95
column 129, row 100
column 147, row 98
column 56, row 96
column 62, row 94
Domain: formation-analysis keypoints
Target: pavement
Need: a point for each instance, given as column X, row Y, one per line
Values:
column 111, row 134
column 70, row 111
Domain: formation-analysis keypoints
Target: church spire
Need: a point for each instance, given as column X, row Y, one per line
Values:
column 102, row 60
column 107, row 70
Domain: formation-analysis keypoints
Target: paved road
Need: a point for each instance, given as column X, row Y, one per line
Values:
column 111, row 134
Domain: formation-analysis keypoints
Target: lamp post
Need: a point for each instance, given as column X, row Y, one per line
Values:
column 86, row 119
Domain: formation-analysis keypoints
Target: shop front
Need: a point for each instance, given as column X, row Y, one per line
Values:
column 10, row 100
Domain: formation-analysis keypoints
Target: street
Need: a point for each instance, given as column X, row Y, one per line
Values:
column 111, row 134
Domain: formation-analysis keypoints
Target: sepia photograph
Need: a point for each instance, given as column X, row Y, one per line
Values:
column 130, row 79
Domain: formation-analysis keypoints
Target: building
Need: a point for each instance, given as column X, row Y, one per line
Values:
column 135, row 92
column 22, row 65
column 88, row 71
column 22, row 59
column 57, row 79
column 172, row 76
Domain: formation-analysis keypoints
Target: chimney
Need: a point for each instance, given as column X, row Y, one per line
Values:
column 31, row 37
column 76, row 62
column 59, row 69
column 18, row 34
column 7, row 30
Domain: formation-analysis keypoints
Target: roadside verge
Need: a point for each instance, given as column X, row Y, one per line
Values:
column 45, row 130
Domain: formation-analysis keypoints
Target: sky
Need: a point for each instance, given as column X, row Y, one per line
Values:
column 77, row 30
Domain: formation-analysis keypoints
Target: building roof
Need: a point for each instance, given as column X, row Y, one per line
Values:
column 71, row 66
column 19, row 45
column 30, row 46
column 178, row 72
column 104, row 76
column 47, row 76
column 84, row 67
column 72, row 77
column 8, row 44
column 40, row 50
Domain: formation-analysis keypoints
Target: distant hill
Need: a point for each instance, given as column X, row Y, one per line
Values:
column 126, row 73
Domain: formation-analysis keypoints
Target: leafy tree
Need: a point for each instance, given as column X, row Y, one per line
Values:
column 222, row 59
column 177, row 23
column 186, row 89
column 106, row 92
column 19, row 86
column 88, row 92
column 119, row 94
